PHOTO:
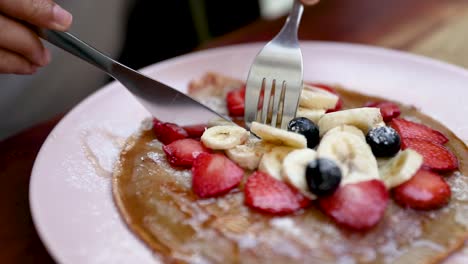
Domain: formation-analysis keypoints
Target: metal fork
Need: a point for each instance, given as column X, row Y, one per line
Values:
column 274, row 83
column 161, row 100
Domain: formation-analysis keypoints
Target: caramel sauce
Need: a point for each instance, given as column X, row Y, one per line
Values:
column 159, row 206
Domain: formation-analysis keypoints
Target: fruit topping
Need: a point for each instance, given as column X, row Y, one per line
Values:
column 364, row 118
column 313, row 115
column 214, row 174
column 409, row 129
column 388, row 110
column 195, row 131
column 339, row 104
column 307, row 128
column 294, row 169
column 278, row 136
column 357, row 206
column 269, row 195
column 400, row 168
column 224, row 137
column 168, row 132
column 235, row 101
column 323, row 176
column 424, row 191
column 435, row 156
column 316, row 98
column 183, row 152
column 271, row 161
column 384, row 141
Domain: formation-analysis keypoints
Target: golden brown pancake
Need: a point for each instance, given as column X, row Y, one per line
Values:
column 157, row 203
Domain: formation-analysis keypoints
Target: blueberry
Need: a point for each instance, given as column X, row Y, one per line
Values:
column 323, row 176
column 384, row 141
column 307, row 128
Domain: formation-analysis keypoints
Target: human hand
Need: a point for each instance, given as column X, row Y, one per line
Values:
column 21, row 51
column 309, row 2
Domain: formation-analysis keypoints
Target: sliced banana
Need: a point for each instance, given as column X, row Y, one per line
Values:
column 312, row 114
column 272, row 161
column 364, row 118
column 224, row 137
column 346, row 128
column 400, row 168
column 294, row 169
column 278, row 136
column 248, row 155
column 315, row 98
column 352, row 154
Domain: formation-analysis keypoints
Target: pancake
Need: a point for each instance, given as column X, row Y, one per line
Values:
column 158, row 205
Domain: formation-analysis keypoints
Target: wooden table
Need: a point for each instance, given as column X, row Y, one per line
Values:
column 428, row 27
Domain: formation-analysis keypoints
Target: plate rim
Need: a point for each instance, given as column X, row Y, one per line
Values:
column 107, row 88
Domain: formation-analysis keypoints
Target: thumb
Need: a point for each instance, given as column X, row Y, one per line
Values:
column 41, row 13
column 309, row 2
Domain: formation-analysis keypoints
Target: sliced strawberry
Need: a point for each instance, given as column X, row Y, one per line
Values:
column 235, row 101
column 168, row 132
column 214, row 174
column 424, row 191
column 332, row 90
column 435, row 156
column 358, row 206
column 388, row 110
column 269, row 195
column 409, row 129
column 183, row 152
column 195, row 131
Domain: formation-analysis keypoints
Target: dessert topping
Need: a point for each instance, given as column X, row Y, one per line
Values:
column 409, row 129
column 316, row 98
column 364, row 118
column 278, row 136
column 294, row 169
column 400, row 168
column 195, row 131
column 384, row 141
column 271, row 162
column 235, row 101
column 183, row 152
column 323, row 176
column 224, row 137
column 388, row 110
column 307, row 128
column 168, row 132
column 435, row 156
column 332, row 90
column 214, row 174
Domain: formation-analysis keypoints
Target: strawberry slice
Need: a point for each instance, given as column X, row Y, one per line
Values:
column 339, row 104
column 269, row 195
column 168, row 132
column 388, row 110
column 435, row 156
column 214, row 174
column 183, row 152
column 424, row 191
column 409, row 129
column 235, row 101
column 357, row 206
column 195, row 131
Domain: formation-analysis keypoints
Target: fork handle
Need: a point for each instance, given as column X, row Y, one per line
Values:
column 288, row 33
column 80, row 49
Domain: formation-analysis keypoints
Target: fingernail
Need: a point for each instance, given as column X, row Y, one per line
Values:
column 61, row 17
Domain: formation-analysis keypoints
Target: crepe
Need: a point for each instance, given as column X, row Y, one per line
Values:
column 158, row 205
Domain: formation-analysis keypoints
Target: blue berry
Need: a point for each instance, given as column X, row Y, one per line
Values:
column 384, row 141
column 307, row 128
column 323, row 176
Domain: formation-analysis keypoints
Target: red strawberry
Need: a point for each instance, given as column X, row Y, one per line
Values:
column 214, row 174
column 409, row 129
column 269, row 195
column 339, row 104
column 195, row 131
column 358, row 206
column 388, row 110
column 168, row 132
column 424, row 191
column 183, row 152
column 436, row 156
column 235, row 101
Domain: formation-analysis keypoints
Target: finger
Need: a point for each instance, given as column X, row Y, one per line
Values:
column 309, row 2
column 14, row 63
column 19, row 39
column 41, row 13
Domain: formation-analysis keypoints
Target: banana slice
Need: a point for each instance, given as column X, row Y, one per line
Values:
column 352, row 154
column 400, row 168
column 315, row 98
column 346, row 128
column 312, row 114
column 248, row 155
column 272, row 161
column 224, row 137
column 294, row 169
column 364, row 118
column 278, row 136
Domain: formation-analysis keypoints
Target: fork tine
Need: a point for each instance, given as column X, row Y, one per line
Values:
column 292, row 99
column 266, row 87
column 252, row 96
column 276, row 111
